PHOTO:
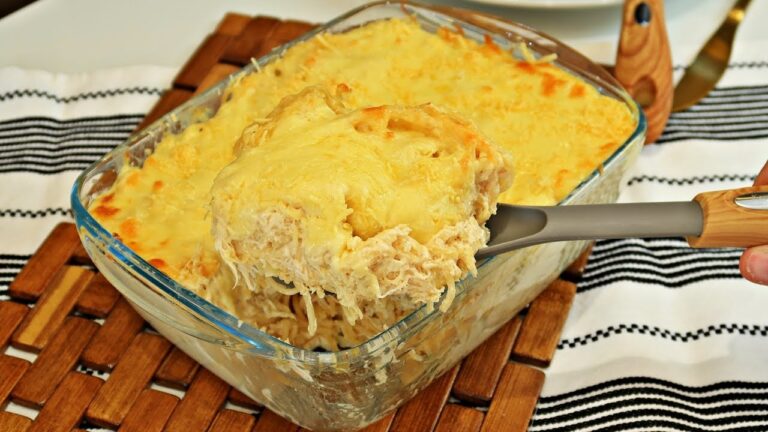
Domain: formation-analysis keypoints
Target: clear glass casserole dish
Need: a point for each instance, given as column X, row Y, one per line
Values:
column 348, row 389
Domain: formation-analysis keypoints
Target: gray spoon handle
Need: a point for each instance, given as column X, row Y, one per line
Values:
column 727, row 218
column 515, row 227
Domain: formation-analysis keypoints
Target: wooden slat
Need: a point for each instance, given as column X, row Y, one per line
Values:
column 150, row 412
column 113, row 338
column 421, row 412
column 54, row 305
column 247, row 44
column 10, row 422
column 99, row 297
column 65, row 408
column 232, row 24
column 177, row 369
column 200, row 404
column 238, row 398
column 79, row 256
column 459, row 418
column 54, row 362
column 218, row 72
column 269, row 422
column 576, row 269
column 284, row 32
column 207, row 55
column 11, row 315
column 381, row 425
column 170, row 100
column 512, row 406
column 11, row 371
column 481, row 370
column 45, row 263
column 232, row 421
column 541, row 327
column 128, row 379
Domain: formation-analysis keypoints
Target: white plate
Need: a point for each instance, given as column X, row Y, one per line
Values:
column 553, row 4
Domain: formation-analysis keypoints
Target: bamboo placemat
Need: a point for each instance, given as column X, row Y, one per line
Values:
column 81, row 357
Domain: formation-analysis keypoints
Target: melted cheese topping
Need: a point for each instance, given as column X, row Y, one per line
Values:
column 558, row 128
column 362, row 203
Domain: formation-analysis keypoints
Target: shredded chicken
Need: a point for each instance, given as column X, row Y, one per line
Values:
column 297, row 203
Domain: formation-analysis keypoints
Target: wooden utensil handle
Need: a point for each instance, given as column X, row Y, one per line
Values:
column 733, row 218
column 644, row 62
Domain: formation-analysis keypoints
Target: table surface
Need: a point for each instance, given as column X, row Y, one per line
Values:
column 87, row 35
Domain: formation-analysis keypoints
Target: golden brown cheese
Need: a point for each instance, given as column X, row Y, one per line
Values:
column 558, row 129
column 363, row 203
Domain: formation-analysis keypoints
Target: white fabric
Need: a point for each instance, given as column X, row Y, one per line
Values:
column 41, row 154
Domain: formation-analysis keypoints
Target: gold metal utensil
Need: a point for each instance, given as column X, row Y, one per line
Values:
column 710, row 64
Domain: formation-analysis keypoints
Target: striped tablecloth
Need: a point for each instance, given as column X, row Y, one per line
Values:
column 660, row 337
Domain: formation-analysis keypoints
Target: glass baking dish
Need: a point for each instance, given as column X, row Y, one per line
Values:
column 348, row 389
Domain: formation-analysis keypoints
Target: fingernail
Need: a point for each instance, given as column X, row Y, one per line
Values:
column 757, row 265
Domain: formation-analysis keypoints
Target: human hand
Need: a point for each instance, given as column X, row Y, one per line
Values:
column 754, row 261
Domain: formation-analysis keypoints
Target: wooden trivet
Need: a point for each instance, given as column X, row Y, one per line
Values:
column 82, row 330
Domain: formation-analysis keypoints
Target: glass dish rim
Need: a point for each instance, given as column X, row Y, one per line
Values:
column 260, row 342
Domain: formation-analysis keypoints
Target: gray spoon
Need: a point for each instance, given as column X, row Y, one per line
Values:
column 731, row 218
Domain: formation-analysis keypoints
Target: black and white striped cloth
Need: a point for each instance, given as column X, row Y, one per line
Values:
column 660, row 337
column 51, row 127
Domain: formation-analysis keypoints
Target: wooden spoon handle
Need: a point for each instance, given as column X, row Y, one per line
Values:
column 644, row 62
column 733, row 218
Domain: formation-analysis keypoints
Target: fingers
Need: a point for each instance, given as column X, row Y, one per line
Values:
column 754, row 264
column 762, row 178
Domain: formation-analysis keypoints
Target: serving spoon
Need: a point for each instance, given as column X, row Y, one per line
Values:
column 729, row 218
